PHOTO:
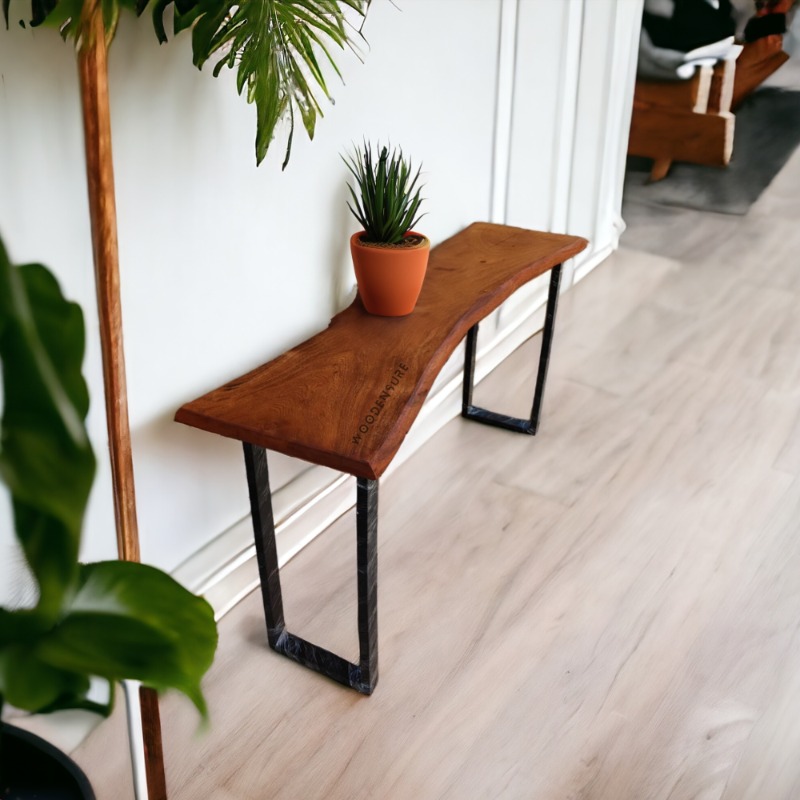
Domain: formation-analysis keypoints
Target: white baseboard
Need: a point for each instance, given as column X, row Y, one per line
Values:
column 225, row 570
column 595, row 257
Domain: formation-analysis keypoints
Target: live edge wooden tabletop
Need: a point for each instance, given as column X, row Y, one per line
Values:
column 346, row 398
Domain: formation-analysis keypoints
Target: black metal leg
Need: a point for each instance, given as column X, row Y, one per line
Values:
column 367, row 565
column 362, row 676
column 530, row 426
column 255, row 460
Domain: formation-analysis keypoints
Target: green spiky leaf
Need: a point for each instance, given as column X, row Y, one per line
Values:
column 386, row 198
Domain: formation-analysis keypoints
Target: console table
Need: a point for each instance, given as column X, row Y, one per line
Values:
column 346, row 398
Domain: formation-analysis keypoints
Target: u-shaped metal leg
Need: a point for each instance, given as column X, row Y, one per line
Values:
column 530, row 426
column 362, row 676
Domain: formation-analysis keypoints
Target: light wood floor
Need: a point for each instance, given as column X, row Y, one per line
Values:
column 609, row 611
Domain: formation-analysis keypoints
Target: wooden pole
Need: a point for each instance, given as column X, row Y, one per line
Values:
column 93, row 72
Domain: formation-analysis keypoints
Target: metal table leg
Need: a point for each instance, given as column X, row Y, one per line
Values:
column 363, row 676
column 530, row 426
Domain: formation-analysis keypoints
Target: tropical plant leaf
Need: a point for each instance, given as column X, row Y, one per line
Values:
column 111, row 10
column 20, row 626
column 31, row 684
column 45, row 456
column 65, row 16
column 275, row 46
column 111, row 620
column 182, row 19
column 133, row 621
column 40, row 9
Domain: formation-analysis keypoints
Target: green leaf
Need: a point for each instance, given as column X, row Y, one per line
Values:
column 186, row 12
column 133, row 621
column 45, row 455
column 40, row 9
column 110, row 17
column 386, row 199
column 274, row 46
column 20, row 626
column 111, row 620
column 159, row 7
column 65, row 17
column 30, row 683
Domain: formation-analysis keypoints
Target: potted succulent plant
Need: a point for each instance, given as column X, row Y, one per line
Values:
column 110, row 620
column 389, row 258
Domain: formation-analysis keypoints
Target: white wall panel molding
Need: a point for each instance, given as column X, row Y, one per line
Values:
column 504, row 108
column 628, row 31
column 605, row 92
column 621, row 70
column 225, row 570
column 566, row 115
column 548, row 54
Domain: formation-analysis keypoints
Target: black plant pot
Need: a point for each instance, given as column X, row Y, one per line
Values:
column 32, row 769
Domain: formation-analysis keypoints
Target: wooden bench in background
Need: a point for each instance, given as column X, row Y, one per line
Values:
column 693, row 120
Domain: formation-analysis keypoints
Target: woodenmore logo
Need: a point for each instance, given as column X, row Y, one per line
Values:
column 380, row 402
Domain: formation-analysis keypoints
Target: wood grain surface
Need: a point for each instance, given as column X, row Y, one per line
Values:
column 93, row 72
column 682, row 135
column 757, row 62
column 346, row 398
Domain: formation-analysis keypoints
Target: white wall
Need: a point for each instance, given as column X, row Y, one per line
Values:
column 517, row 108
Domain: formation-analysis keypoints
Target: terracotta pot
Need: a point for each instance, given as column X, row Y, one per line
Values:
column 389, row 277
column 33, row 768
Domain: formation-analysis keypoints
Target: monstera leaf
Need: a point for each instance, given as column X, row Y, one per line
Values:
column 111, row 620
